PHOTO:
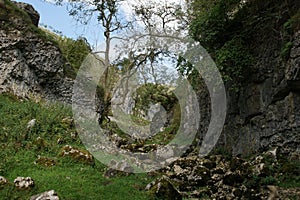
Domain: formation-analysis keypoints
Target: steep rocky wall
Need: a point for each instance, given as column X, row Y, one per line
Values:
column 265, row 112
column 31, row 65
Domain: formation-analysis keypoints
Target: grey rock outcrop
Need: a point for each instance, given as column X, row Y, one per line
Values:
column 49, row 195
column 33, row 14
column 3, row 180
column 31, row 66
column 24, row 183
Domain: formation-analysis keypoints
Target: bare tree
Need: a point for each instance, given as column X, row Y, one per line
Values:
column 107, row 13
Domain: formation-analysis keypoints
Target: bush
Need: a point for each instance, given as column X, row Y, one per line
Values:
column 233, row 60
column 151, row 94
column 75, row 51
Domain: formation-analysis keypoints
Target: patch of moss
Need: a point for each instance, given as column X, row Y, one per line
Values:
column 44, row 161
column 79, row 155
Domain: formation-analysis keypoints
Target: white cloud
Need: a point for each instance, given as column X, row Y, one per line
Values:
column 128, row 6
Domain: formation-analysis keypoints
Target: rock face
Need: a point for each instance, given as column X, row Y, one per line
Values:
column 268, row 108
column 33, row 14
column 30, row 64
column 265, row 112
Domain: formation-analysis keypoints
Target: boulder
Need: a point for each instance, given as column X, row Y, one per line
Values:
column 24, row 183
column 49, row 195
column 163, row 189
column 44, row 161
column 3, row 180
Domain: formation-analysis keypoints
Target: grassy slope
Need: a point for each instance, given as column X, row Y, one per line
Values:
column 71, row 179
column 19, row 148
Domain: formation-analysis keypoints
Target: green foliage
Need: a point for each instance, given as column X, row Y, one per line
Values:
column 269, row 180
column 217, row 26
column 289, row 27
column 223, row 152
column 253, row 182
column 211, row 25
column 75, row 51
column 226, row 29
column 151, row 94
column 233, row 60
column 256, row 182
column 286, row 49
column 290, row 170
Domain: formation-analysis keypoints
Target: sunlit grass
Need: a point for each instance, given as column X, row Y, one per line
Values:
column 71, row 179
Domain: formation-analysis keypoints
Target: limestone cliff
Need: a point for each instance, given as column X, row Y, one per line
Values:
column 265, row 112
column 268, row 112
column 31, row 64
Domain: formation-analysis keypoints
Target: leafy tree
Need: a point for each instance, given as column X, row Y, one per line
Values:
column 135, row 53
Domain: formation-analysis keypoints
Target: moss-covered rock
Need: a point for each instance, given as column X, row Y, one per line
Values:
column 44, row 161
column 163, row 189
column 77, row 154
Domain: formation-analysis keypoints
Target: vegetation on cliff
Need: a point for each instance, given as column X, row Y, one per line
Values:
column 226, row 28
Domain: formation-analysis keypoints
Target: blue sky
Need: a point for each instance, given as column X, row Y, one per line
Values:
column 58, row 18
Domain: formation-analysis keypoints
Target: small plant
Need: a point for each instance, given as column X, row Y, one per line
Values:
column 290, row 170
column 285, row 51
column 269, row 180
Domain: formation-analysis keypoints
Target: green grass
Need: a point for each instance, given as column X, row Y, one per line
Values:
column 69, row 178
column 76, row 181
column 290, row 173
